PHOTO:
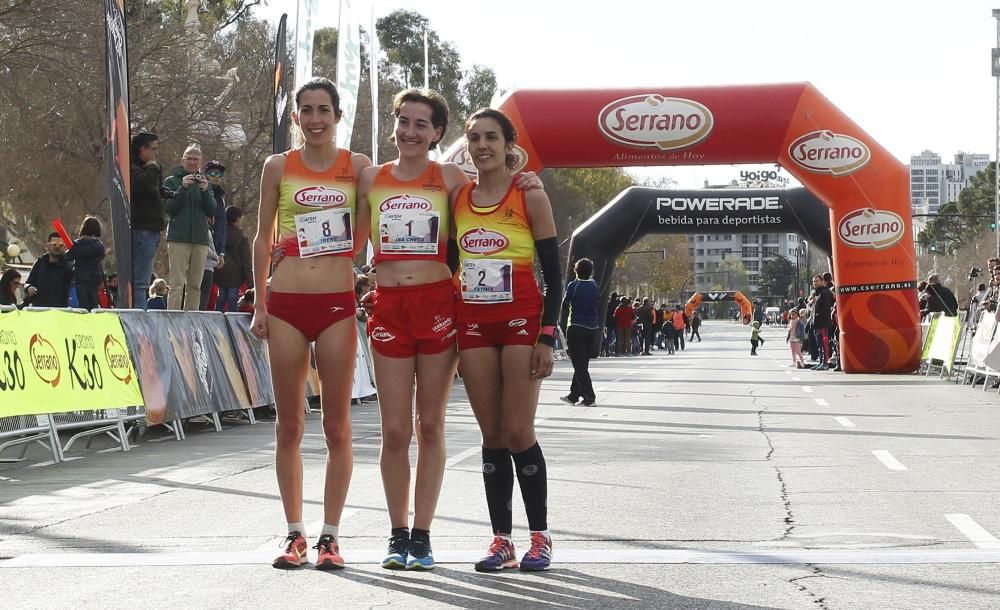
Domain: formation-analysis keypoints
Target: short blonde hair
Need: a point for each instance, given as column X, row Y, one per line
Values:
column 193, row 148
column 158, row 287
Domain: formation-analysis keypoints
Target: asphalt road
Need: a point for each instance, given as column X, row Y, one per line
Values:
column 706, row 479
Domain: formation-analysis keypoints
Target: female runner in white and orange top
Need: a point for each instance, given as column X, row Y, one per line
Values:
column 506, row 331
column 412, row 329
column 311, row 193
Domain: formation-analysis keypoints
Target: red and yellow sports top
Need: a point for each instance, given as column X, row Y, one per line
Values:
column 316, row 209
column 410, row 217
column 496, row 258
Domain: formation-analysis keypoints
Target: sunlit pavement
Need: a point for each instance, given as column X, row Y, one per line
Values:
column 705, row 479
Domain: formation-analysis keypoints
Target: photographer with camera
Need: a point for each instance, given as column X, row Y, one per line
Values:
column 148, row 216
column 188, row 233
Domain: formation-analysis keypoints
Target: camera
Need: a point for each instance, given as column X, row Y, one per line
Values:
column 197, row 177
column 974, row 273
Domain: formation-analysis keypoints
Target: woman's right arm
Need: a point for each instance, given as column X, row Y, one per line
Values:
column 270, row 180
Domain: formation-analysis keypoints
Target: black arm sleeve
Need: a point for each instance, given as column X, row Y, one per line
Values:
column 548, row 260
column 451, row 257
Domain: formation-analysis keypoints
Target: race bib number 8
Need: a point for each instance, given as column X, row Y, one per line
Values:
column 324, row 232
column 487, row 281
column 409, row 232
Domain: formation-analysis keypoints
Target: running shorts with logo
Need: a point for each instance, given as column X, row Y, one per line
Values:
column 521, row 330
column 311, row 314
column 410, row 320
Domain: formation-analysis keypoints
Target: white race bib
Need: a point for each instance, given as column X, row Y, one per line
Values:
column 324, row 232
column 409, row 232
column 488, row 281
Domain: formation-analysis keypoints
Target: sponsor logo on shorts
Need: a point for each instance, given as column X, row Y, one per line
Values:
column 451, row 334
column 441, row 323
column 522, row 332
column 516, row 322
column 380, row 334
column 336, row 309
column 471, row 325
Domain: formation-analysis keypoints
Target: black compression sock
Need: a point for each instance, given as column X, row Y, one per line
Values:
column 534, row 489
column 498, row 477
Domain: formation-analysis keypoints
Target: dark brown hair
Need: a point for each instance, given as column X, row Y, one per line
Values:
column 509, row 133
column 436, row 101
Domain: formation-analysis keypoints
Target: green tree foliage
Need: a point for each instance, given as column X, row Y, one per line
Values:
column 959, row 223
column 776, row 277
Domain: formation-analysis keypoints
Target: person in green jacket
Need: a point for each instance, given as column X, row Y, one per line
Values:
column 187, row 229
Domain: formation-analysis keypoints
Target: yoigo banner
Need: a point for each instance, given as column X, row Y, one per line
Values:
column 60, row 361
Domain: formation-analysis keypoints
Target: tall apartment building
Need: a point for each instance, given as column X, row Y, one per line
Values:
column 933, row 183
column 753, row 249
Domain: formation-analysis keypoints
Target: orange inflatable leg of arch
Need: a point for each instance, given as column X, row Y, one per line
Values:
column 746, row 307
column 692, row 304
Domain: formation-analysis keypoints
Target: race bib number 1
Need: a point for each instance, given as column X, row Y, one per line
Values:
column 409, row 232
column 487, row 281
column 324, row 232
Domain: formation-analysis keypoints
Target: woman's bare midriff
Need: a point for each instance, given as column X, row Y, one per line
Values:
column 410, row 273
column 315, row 275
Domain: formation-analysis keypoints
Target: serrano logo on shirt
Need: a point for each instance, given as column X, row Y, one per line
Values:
column 484, row 241
column 320, row 197
column 405, row 202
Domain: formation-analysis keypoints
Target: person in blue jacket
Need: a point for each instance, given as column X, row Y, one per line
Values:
column 87, row 253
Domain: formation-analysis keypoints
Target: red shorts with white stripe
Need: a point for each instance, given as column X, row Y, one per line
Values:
column 407, row 320
column 522, row 330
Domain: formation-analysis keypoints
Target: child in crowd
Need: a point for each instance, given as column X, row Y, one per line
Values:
column 158, row 294
column 87, row 253
column 796, row 335
column 755, row 338
column 668, row 331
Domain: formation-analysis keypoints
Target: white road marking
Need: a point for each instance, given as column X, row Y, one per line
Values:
column 796, row 379
column 843, row 421
column 973, row 531
column 821, row 402
column 455, row 459
column 630, row 373
column 566, row 557
column 886, row 458
column 807, row 389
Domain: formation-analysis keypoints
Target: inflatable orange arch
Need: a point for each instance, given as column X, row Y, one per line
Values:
column 746, row 306
column 865, row 188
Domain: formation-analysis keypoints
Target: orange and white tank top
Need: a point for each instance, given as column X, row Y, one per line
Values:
column 496, row 257
column 410, row 217
column 316, row 210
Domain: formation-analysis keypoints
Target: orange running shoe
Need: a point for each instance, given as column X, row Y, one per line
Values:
column 329, row 554
column 295, row 553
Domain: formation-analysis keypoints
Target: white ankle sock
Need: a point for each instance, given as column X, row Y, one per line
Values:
column 297, row 527
column 333, row 530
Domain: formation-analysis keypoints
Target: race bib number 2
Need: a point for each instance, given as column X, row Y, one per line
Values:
column 487, row 281
column 324, row 232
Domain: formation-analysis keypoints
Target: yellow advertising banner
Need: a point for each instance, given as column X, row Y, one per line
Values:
column 59, row 361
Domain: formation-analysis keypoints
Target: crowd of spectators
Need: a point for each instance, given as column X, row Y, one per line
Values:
column 635, row 326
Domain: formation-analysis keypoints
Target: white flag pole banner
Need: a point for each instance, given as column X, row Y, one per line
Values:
column 348, row 69
column 304, row 35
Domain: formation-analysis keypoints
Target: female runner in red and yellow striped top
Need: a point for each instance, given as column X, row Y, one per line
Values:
column 309, row 192
column 506, row 331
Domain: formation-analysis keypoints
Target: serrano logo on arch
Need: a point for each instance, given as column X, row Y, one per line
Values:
column 118, row 359
column 871, row 228
column 320, row 197
column 405, row 202
column 484, row 241
column 825, row 152
column 463, row 159
column 653, row 121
